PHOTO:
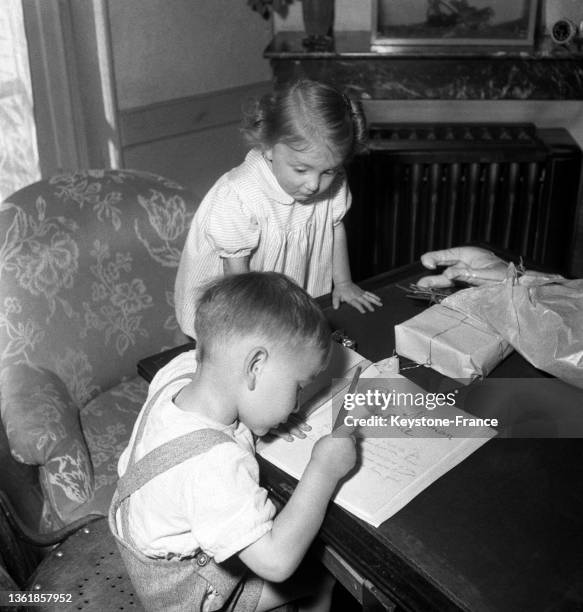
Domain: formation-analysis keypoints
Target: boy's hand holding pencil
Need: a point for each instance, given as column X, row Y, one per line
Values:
column 337, row 450
column 335, row 455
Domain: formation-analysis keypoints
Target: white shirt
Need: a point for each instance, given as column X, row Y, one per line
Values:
column 245, row 213
column 212, row 501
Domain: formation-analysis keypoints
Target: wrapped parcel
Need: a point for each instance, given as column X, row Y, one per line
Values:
column 451, row 342
column 540, row 316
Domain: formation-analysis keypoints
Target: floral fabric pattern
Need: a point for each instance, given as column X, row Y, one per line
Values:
column 116, row 304
column 41, row 267
column 107, row 437
column 91, row 255
column 87, row 268
column 43, row 427
column 168, row 216
column 68, row 473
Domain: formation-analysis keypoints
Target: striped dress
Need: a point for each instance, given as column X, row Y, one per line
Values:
column 246, row 212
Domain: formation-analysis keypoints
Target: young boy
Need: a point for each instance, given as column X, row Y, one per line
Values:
column 194, row 527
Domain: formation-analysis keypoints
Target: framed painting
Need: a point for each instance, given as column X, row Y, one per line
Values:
column 502, row 23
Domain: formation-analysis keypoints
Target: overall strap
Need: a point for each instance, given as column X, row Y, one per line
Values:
column 159, row 459
column 166, row 456
column 144, row 414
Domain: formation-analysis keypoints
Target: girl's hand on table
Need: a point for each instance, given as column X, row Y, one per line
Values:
column 352, row 294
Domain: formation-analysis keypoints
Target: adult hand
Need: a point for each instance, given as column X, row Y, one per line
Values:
column 472, row 265
column 355, row 296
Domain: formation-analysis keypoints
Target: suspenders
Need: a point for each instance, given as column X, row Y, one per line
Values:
column 159, row 460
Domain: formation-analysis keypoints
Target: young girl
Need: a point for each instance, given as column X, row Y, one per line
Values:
column 282, row 208
column 194, row 527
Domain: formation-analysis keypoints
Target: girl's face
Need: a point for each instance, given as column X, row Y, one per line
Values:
column 278, row 384
column 304, row 174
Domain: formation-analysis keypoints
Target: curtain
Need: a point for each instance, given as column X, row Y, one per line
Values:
column 19, row 161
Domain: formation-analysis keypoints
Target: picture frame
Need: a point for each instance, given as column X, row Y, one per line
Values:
column 470, row 23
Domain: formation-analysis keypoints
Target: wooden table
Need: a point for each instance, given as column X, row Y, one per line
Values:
column 502, row 531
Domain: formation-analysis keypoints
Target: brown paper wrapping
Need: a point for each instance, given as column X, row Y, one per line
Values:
column 540, row 316
column 453, row 343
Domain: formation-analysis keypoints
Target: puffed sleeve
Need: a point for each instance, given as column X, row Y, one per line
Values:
column 227, row 507
column 342, row 200
column 232, row 228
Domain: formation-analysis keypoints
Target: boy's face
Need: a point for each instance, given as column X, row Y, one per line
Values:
column 303, row 174
column 277, row 387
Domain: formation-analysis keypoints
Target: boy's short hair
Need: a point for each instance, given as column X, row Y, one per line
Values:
column 268, row 304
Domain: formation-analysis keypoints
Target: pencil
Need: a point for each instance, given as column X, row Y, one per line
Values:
column 351, row 389
column 328, row 392
column 355, row 378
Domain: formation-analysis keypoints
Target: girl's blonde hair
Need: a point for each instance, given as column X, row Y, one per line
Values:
column 299, row 112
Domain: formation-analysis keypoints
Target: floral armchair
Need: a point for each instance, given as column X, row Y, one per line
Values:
column 87, row 268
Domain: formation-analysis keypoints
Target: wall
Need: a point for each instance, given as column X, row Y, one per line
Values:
column 167, row 49
column 183, row 70
column 349, row 15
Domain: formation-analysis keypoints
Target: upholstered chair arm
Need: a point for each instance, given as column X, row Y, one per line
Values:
column 41, row 539
column 43, row 429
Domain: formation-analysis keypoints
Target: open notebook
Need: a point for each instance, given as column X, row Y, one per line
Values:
column 396, row 462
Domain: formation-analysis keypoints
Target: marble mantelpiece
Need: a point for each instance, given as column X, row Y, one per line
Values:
column 432, row 73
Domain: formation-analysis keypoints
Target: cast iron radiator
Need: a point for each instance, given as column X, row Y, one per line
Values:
column 425, row 187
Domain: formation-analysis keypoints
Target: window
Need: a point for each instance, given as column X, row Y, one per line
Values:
column 19, row 162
